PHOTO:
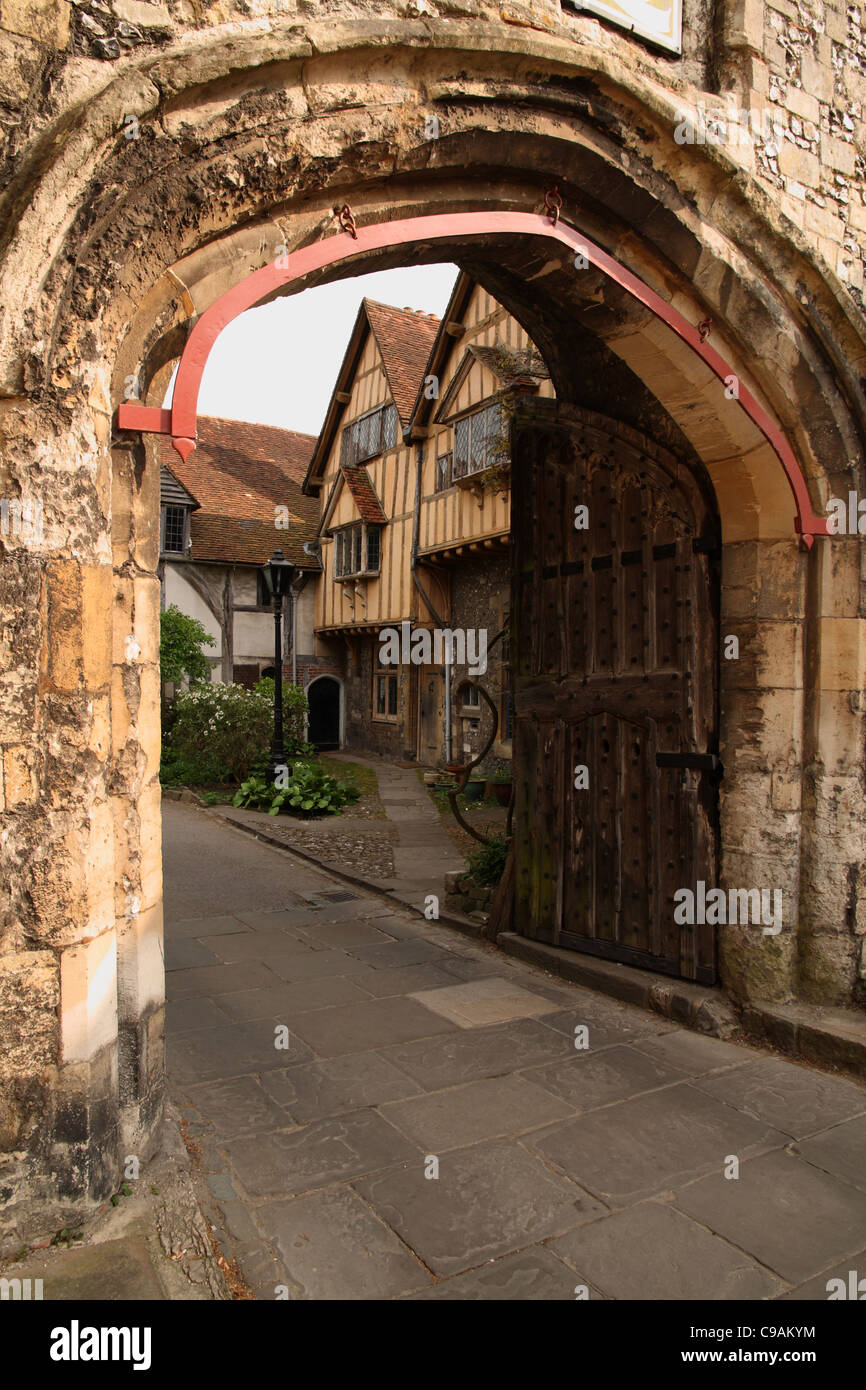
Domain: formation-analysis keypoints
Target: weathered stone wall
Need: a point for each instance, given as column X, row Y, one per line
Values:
column 154, row 156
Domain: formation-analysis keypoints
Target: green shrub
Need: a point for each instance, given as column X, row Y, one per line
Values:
column 218, row 732
column 178, row 771
column 487, row 864
column 295, row 707
column 254, row 792
column 309, row 791
column 222, row 733
column 180, row 647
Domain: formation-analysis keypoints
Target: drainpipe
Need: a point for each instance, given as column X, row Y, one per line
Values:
column 448, row 702
column 299, row 585
column 416, row 530
column 415, row 534
column 416, row 520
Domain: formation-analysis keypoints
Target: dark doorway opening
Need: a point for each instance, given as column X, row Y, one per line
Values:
column 324, row 713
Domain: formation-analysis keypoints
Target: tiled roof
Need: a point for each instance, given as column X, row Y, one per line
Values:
column 405, row 338
column 362, row 490
column 240, row 473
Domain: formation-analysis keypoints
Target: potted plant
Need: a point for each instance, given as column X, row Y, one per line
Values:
column 474, row 789
column 499, row 787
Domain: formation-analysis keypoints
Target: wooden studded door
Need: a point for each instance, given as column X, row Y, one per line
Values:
column 614, row 652
column 431, row 701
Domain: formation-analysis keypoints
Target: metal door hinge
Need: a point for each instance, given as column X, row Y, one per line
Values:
column 702, row 762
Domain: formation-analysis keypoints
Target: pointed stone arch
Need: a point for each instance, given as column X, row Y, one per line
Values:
column 115, row 247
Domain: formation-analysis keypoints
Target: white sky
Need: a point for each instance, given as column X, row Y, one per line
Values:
column 277, row 365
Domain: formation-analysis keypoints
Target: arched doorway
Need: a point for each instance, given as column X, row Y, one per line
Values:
column 324, row 720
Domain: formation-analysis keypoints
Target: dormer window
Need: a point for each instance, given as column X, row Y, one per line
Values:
column 369, row 436
column 174, row 537
column 176, row 505
column 357, row 550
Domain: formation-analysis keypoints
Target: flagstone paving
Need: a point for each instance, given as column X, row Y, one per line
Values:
column 385, row 1109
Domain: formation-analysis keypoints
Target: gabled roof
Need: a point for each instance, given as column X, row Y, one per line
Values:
column 172, row 492
column 511, row 370
column 360, row 485
column 522, row 370
column 404, row 338
column 239, row 474
column 362, row 490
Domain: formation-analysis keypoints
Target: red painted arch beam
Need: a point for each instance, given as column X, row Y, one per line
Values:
column 445, row 227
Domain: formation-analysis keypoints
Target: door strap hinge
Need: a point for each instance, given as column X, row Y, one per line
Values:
column 702, row 762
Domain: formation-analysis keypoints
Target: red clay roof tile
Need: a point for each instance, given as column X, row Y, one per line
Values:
column 240, row 473
column 405, row 338
column 361, row 487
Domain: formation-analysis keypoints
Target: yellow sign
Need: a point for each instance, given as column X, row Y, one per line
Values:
column 660, row 21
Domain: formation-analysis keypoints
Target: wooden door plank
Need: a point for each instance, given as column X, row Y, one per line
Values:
column 615, row 647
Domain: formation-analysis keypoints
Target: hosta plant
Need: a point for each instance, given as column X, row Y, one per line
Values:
column 309, row 791
column 254, row 792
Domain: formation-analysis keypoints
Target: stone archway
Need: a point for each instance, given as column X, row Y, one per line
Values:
column 244, row 148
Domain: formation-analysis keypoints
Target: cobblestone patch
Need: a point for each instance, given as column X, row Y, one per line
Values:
column 352, row 844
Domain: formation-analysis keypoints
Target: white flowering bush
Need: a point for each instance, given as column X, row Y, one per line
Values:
column 218, row 733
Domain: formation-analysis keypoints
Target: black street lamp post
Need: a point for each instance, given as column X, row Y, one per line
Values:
column 278, row 574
